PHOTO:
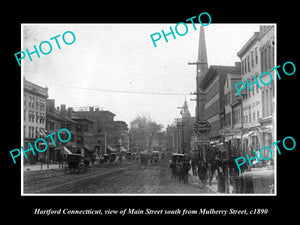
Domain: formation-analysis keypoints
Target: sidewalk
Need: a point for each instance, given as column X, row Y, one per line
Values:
column 214, row 183
column 39, row 167
column 54, row 166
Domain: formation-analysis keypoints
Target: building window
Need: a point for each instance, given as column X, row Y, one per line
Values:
column 267, row 103
column 37, row 103
column 69, row 126
column 36, row 132
column 257, row 115
column 78, row 127
column 29, row 102
column 42, row 105
column 242, row 68
column 30, row 116
column 253, row 116
column 262, row 59
column 51, row 126
column 252, row 59
column 248, row 61
column 269, row 56
column 256, row 56
column 25, row 98
column 36, row 117
column 32, row 103
column 29, row 131
column 266, row 59
column 24, row 127
column 249, row 114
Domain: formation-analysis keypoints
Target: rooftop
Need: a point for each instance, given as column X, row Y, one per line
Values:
column 35, row 89
column 248, row 45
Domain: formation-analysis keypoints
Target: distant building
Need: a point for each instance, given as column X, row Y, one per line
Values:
column 231, row 132
column 187, row 129
column 34, row 118
column 85, row 139
column 102, row 127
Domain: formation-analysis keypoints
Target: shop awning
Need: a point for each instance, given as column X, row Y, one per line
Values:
column 87, row 147
column 248, row 134
column 67, row 150
column 44, row 131
column 123, row 149
column 227, row 138
column 214, row 142
column 111, row 149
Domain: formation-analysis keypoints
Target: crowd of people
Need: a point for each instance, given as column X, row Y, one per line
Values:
column 180, row 169
column 180, row 166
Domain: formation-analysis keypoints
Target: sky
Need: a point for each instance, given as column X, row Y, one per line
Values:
column 109, row 61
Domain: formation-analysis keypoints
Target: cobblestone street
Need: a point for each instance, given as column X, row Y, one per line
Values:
column 125, row 178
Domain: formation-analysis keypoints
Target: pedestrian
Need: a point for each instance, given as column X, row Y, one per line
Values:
column 193, row 164
column 173, row 169
column 202, row 171
column 185, row 172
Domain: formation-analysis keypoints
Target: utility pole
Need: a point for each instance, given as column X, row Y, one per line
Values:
column 201, row 125
column 105, row 144
column 202, row 68
column 179, row 145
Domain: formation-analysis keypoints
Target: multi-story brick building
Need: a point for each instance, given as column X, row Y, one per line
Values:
column 103, row 129
column 267, row 52
column 252, row 107
column 257, row 56
column 34, row 117
column 231, row 131
column 55, row 120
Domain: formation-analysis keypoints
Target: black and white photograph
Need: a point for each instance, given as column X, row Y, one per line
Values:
column 149, row 109
column 139, row 112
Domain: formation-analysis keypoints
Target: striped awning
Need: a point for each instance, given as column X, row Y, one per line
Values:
column 111, row 149
column 123, row 149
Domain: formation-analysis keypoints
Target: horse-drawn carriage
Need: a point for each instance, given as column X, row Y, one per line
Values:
column 77, row 164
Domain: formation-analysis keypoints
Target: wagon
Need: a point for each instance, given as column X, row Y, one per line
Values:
column 76, row 164
column 112, row 157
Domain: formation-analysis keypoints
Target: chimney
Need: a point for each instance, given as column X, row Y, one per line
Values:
column 238, row 65
column 50, row 105
column 63, row 110
column 70, row 110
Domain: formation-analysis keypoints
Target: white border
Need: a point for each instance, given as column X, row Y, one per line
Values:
column 158, row 194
